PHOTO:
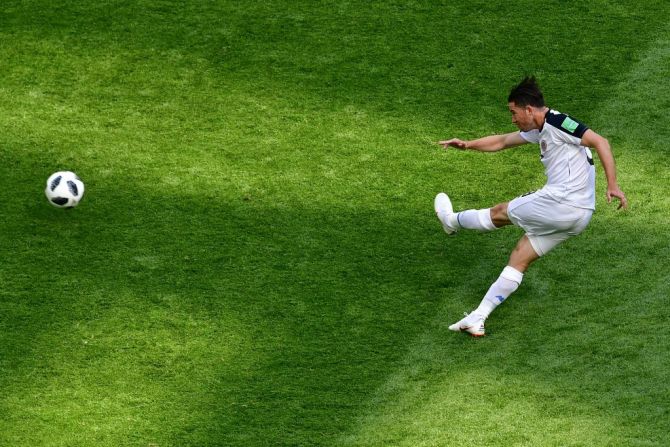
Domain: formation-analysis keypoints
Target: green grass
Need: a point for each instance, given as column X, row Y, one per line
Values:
column 256, row 260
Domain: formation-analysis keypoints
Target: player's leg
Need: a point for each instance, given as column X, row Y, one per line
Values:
column 529, row 248
column 523, row 255
column 487, row 219
column 547, row 224
column 509, row 280
column 499, row 215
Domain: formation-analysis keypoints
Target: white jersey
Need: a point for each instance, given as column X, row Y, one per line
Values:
column 567, row 164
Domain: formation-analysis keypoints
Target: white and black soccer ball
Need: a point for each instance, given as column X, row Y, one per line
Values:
column 64, row 189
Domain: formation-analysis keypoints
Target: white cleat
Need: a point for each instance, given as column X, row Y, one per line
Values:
column 473, row 324
column 443, row 209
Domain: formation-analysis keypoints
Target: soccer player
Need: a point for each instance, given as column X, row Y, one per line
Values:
column 561, row 209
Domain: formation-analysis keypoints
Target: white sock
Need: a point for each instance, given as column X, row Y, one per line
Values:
column 472, row 220
column 505, row 285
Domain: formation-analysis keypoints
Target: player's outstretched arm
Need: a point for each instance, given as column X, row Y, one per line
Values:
column 602, row 147
column 491, row 143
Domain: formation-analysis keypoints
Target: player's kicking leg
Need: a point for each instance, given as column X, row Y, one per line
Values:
column 487, row 219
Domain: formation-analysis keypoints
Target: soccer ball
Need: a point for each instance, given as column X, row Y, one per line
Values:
column 64, row 189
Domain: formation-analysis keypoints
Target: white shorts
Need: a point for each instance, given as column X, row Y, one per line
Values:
column 547, row 222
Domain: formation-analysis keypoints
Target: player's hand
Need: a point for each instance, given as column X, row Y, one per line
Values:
column 454, row 142
column 618, row 193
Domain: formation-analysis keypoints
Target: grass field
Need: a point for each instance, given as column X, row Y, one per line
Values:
column 256, row 260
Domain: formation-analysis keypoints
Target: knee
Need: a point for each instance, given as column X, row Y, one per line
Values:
column 499, row 215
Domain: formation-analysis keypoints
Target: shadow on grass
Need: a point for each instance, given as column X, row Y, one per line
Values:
column 198, row 321
column 207, row 322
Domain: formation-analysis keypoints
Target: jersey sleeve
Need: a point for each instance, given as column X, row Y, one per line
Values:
column 532, row 136
column 571, row 130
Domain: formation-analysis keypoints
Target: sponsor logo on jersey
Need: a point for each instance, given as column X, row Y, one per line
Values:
column 569, row 124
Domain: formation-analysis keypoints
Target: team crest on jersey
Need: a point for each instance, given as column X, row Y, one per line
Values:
column 543, row 145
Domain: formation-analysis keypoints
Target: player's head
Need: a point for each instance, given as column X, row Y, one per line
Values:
column 527, row 93
column 524, row 101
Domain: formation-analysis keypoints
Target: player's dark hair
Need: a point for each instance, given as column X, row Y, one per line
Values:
column 527, row 93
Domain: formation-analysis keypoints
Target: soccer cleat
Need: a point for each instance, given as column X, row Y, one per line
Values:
column 472, row 323
column 443, row 209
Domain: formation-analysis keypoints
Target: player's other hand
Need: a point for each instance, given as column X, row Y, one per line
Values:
column 454, row 142
column 618, row 193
